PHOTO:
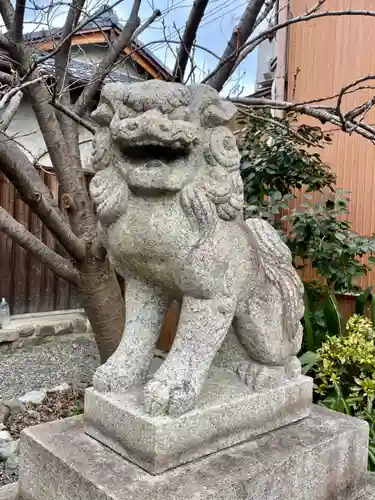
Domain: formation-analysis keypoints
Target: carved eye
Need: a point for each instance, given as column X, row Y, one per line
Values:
column 165, row 127
column 132, row 126
column 223, row 147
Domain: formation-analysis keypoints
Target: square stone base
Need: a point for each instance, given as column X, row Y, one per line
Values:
column 228, row 413
column 323, row 457
column 10, row 492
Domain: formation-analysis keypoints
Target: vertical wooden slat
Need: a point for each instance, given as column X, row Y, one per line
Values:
column 5, row 243
column 61, row 286
column 49, row 298
column 20, row 262
column 27, row 284
column 35, row 282
column 330, row 53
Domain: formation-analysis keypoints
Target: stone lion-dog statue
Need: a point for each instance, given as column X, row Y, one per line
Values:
column 169, row 199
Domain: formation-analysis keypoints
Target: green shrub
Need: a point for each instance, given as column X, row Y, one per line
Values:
column 344, row 374
column 278, row 157
column 321, row 234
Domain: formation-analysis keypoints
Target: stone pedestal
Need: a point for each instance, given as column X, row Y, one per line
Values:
column 322, row 457
column 228, row 413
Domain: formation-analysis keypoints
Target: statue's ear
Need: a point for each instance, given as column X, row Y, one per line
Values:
column 219, row 113
column 103, row 114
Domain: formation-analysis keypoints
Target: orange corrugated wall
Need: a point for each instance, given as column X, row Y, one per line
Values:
column 323, row 56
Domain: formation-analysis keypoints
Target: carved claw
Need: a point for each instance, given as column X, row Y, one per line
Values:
column 260, row 377
column 109, row 192
column 101, row 379
column 110, row 378
column 173, row 398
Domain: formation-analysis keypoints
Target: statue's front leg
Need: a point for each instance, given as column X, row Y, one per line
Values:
column 202, row 327
column 145, row 310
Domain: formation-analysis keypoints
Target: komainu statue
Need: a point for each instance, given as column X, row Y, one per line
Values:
column 169, row 199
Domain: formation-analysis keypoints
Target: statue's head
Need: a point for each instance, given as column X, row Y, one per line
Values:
column 167, row 134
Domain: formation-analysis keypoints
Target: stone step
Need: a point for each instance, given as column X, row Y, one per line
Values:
column 323, row 457
column 9, row 492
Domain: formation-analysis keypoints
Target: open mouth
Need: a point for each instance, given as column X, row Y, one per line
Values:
column 154, row 154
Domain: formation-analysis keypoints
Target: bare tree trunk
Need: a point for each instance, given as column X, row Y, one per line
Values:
column 239, row 36
column 188, row 38
column 98, row 288
column 101, row 298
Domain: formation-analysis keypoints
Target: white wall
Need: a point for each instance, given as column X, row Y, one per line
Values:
column 266, row 52
column 25, row 130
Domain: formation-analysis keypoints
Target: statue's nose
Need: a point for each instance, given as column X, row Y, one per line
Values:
column 148, row 125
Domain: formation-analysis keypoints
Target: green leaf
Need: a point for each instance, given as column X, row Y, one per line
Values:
column 308, row 361
column 332, row 314
column 371, row 456
column 372, row 309
column 361, row 301
column 308, row 330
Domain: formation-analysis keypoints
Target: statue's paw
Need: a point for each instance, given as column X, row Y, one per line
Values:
column 110, row 194
column 293, row 368
column 102, row 379
column 173, row 398
column 260, row 377
column 112, row 377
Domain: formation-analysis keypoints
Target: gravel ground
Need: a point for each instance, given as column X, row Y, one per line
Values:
column 47, row 365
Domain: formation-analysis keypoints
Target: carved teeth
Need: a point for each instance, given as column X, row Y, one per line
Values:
column 154, row 163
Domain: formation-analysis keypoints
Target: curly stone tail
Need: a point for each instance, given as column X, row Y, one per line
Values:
column 276, row 261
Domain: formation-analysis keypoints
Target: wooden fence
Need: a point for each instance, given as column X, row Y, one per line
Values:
column 27, row 285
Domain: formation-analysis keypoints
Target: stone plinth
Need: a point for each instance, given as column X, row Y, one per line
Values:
column 323, row 457
column 228, row 413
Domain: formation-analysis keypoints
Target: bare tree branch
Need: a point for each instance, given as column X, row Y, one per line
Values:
column 268, row 6
column 70, row 179
column 77, row 28
column 63, row 54
column 18, row 233
column 22, row 174
column 195, row 17
column 71, row 114
column 168, row 41
column 11, row 111
column 69, row 128
column 145, row 25
column 323, row 115
column 98, row 288
column 278, row 124
column 6, row 78
column 85, row 100
column 39, row 97
column 7, row 13
column 13, row 91
column 17, row 28
column 357, row 111
column 363, row 108
column 18, row 168
column 4, row 42
column 238, row 38
column 231, row 58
